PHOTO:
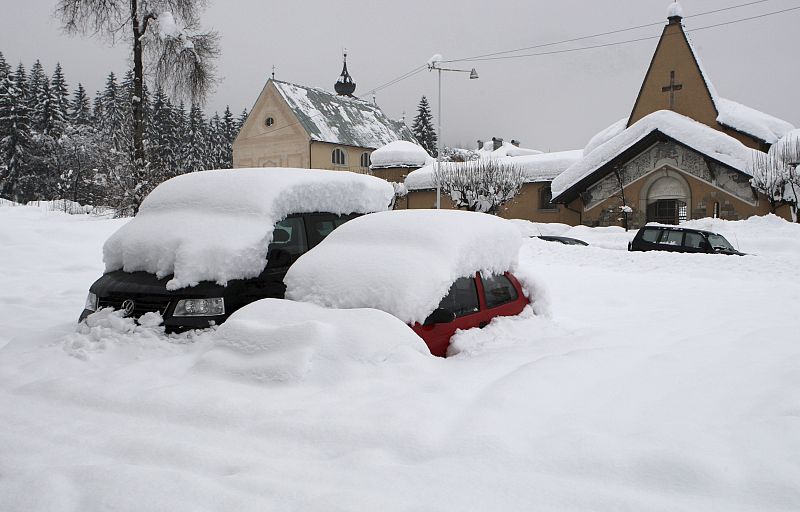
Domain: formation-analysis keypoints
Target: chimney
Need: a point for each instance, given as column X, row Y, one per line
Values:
column 480, row 144
column 497, row 143
column 515, row 142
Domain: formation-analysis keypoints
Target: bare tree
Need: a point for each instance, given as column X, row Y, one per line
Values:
column 167, row 45
column 479, row 185
column 776, row 173
column 769, row 177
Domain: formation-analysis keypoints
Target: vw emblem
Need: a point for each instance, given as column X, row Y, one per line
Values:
column 127, row 306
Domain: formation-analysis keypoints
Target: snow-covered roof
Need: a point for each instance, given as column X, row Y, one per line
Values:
column 605, row 135
column 403, row 261
column 399, row 153
column 749, row 120
column 505, row 149
column 328, row 117
column 216, row 225
column 740, row 117
column 536, row 168
column 689, row 132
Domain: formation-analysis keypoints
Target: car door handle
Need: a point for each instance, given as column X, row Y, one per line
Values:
column 483, row 324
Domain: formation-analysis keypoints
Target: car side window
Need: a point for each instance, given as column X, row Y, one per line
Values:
column 693, row 240
column 462, row 299
column 498, row 290
column 671, row 237
column 292, row 236
column 320, row 226
column 650, row 235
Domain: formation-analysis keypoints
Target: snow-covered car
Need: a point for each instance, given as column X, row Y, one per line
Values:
column 207, row 243
column 436, row 270
column 562, row 240
column 654, row 237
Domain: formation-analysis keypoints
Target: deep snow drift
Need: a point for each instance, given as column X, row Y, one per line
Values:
column 657, row 382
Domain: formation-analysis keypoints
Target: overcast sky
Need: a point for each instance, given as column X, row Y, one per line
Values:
column 552, row 102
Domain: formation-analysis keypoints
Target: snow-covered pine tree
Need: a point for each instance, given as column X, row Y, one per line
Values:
column 196, row 148
column 15, row 131
column 35, row 95
column 230, row 129
column 5, row 69
column 80, row 112
column 241, row 120
column 423, row 127
column 59, row 98
column 113, row 116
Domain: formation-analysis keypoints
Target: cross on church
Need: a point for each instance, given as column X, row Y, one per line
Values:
column 671, row 88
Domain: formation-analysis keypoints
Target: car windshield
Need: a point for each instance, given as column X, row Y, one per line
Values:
column 719, row 242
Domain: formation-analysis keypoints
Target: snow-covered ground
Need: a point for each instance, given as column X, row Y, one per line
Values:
column 653, row 381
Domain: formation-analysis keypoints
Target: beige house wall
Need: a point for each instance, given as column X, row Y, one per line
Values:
column 322, row 157
column 283, row 144
column 526, row 205
column 673, row 53
column 702, row 199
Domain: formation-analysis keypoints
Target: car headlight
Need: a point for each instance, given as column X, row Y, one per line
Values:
column 91, row 302
column 200, row 307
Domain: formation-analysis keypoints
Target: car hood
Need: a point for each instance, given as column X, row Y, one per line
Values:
column 144, row 283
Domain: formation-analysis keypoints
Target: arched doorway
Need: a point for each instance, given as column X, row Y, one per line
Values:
column 668, row 199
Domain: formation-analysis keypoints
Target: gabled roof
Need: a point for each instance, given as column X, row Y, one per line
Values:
column 758, row 125
column 328, row 117
column 712, row 143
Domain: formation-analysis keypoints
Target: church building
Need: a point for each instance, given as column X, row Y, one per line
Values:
column 298, row 126
column 683, row 152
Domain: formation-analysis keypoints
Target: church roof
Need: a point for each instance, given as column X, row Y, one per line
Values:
column 740, row 117
column 710, row 142
column 328, row 117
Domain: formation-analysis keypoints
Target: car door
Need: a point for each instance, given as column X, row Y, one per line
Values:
column 694, row 242
column 501, row 295
column 463, row 301
column 671, row 240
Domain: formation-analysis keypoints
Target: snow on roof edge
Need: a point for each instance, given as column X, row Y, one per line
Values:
column 720, row 146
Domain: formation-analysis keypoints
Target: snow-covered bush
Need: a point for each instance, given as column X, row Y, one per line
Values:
column 481, row 185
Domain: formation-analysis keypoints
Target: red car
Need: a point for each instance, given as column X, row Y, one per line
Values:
column 471, row 302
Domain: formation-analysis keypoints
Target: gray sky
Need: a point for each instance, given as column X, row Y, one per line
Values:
column 551, row 102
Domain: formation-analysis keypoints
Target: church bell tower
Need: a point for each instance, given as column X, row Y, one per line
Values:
column 345, row 86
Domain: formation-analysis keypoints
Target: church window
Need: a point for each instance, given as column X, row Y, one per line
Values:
column 338, row 157
column 546, row 199
column 364, row 159
column 269, row 121
column 716, row 210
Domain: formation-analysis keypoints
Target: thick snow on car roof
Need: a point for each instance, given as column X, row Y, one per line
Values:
column 402, row 262
column 216, row 225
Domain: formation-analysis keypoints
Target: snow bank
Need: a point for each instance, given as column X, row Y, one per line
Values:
column 535, row 167
column 402, row 262
column 697, row 136
column 216, row 225
column 399, row 153
column 274, row 340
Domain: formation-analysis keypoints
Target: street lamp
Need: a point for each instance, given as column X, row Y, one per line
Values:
column 434, row 64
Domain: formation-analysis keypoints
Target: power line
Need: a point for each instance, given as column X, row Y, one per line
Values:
column 498, row 56
column 419, row 69
column 626, row 41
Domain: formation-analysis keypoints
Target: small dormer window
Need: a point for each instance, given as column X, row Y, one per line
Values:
column 338, row 157
column 364, row 160
column 269, row 121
